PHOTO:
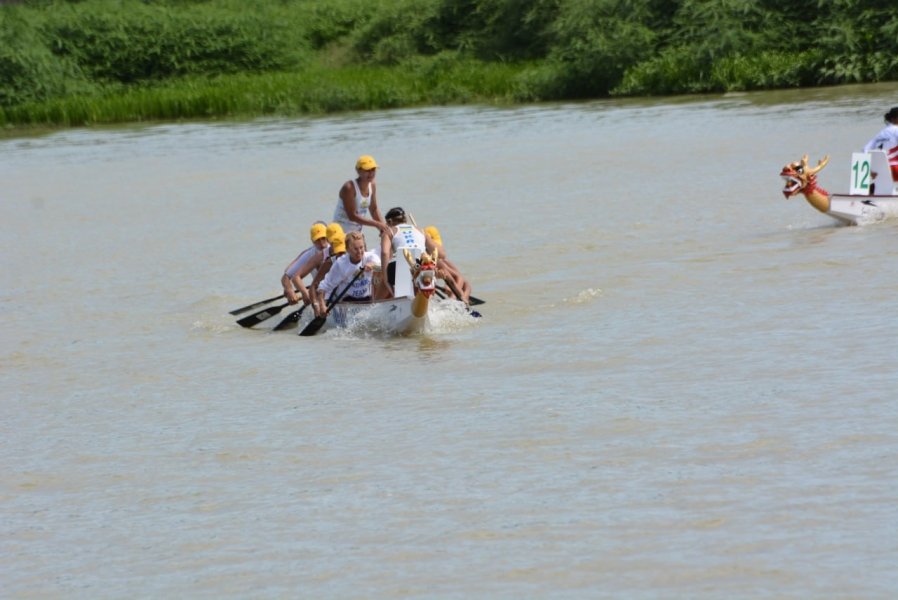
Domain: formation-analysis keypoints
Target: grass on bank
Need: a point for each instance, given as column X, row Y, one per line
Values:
column 312, row 91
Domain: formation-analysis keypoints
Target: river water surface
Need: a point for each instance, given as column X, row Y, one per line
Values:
column 682, row 386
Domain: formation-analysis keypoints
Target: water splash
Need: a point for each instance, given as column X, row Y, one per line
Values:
column 444, row 316
column 584, row 296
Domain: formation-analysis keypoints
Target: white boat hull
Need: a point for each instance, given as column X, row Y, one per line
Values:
column 862, row 210
column 393, row 316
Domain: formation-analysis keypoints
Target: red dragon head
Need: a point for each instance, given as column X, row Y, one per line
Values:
column 424, row 272
column 799, row 177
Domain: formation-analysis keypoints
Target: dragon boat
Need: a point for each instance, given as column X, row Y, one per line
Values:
column 872, row 195
column 406, row 313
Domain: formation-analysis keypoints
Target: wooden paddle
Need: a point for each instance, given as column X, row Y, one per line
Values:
column 237, row 311
column 290, row 319
column 262, row 315
column 318, row 322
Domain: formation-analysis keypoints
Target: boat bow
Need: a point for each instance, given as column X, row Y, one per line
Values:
column 870, row 173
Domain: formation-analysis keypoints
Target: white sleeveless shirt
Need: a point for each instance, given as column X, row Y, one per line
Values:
column 300, row 261
column 361, row 208
column 409, row 237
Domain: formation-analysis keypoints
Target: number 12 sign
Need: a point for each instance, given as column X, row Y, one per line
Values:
column 861, row 177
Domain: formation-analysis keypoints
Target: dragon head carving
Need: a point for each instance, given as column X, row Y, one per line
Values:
column 424, row 271
column 799, row 177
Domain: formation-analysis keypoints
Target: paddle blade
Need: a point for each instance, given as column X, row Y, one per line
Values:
column 262, row 315
column 289, row 321
column 313, row 326
column 258, row 304
column 318, row 322
column 472, row 301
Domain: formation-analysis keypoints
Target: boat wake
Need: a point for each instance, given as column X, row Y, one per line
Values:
column 584, row 296
column 211, row 326
column 445, row 316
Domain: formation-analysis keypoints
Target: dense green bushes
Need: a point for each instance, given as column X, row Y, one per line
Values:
column 100, row 60
column 28, row 69
column 54, row 48
column 133, row 42
column 594, row 42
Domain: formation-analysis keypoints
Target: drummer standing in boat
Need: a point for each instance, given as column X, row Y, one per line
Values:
column 357, row 204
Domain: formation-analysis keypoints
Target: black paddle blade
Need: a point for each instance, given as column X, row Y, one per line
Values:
column 289, row 321
column 262, row 315
column 318, row 322
column 258, row 304
column 472, row 301
column 313, row 326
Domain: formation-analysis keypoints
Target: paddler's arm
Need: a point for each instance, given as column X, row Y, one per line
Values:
column 386, row 251
column 289, row 292
column 303, row 272
column 375, row 211
column 321, row 287
column 319, row 305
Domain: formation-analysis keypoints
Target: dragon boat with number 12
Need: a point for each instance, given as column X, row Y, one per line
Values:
column 872, row 195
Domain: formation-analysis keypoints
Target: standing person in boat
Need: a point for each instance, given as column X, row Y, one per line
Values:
column 887, row 140
column 446, row 268
column 307, row 262
column 357, row 204
column 400, row 235
column 344, row 269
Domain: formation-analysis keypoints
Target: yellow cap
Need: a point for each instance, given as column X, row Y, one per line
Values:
column 332, row 230
column 318, row 231
column 365, row 163
column 434, row 234
column 338, row 243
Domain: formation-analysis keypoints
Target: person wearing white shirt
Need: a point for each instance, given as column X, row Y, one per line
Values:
column 887, row 141
column 306, row 263
column 357, row 202
column 342, row 274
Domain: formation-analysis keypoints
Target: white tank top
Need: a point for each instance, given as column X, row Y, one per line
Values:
column 300, row 261
column 361, row 208
column 409, row 237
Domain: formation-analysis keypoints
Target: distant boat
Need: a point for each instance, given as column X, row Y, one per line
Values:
column 872, row 195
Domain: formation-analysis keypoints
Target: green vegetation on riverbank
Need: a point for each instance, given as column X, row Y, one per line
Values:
column 95, row 61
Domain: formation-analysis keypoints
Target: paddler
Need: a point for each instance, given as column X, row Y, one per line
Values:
column 887, row 141
column 446, row 268
column 400, row 235
column 336, row 248
column 306, row 263
column 344, row 269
